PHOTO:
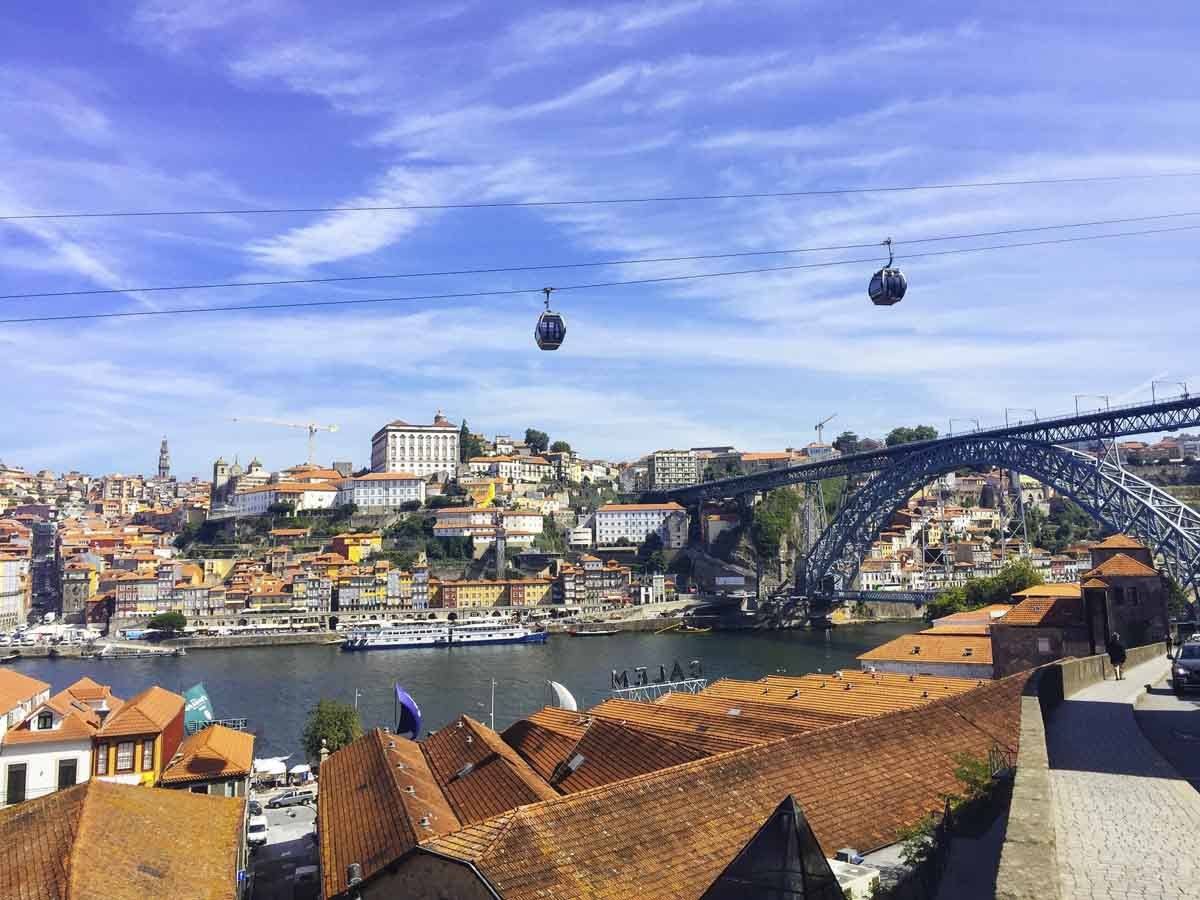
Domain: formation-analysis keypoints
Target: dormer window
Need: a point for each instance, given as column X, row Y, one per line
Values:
column 44, row 721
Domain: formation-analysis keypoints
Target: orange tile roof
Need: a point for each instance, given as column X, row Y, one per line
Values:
column 120, row 842
column 992, row 609
column 610, row 842
column 1121, row 542
column 1121, row 564
column 1095, row 583
column 868, row 694
column 933, row 648
column 1047, row 612
column 480, row 775
column 16, row 688
column 543, row 740
column 610, row 752
column 640, row 507
column 374, row 795
column 148, row 713
column 214, row 752
column 975, row 630
column 1070, row 589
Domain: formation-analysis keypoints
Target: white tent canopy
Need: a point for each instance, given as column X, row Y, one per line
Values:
column 271, row 765
column 300, row 769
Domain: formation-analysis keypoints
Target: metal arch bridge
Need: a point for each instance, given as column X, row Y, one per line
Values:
column 1107, row 491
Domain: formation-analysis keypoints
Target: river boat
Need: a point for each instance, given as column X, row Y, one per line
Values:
column 693, row 629
column 593, row 632
column 12, row 657
column 442, row 634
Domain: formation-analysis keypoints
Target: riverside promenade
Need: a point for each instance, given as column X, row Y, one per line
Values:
column 1126, row 823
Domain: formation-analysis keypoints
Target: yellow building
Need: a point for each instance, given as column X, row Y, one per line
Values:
column 136, row 742
column 357, row 547
column 481, row 490
column 474, row 594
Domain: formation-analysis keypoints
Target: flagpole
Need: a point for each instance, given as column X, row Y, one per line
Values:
column 493, row 704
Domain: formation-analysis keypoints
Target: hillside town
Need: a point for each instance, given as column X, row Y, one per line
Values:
column 445, row 520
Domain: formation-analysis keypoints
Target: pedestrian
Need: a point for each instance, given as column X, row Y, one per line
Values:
column 1116, row 654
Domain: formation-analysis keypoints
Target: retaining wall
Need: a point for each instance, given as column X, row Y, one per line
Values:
column 1029, row 859
column 250, row 640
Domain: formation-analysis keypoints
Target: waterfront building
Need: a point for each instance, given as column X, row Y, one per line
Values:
column 421, row 449
column 594, row 582
column 469, row 594
column 672, row 469
column 381, row 492
column 935, row 652
column 137, row 741
column 636, row 521
column 51, row 749
column 80, row 583
column 215, row 760
column 116, row 841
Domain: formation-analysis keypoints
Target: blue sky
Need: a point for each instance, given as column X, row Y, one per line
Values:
column 233, row 103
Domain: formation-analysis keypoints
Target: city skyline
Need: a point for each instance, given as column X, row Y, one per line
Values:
column 684, row 97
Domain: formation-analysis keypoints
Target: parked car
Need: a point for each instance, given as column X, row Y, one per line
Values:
column 255, row 808
column 256, row 831
column 291, row 798
column 1185, row 670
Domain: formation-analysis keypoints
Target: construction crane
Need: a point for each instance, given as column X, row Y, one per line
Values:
column 821, row 427
column 311, row 427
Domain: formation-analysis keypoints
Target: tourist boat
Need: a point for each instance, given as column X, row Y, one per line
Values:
column 442, row 634
column 694, row 629
column 12, row 657
column 592, row 632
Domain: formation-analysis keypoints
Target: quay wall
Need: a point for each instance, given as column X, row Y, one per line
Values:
column 622, row 624
column 1029, row 859
column 214, row 642
column 888, row 609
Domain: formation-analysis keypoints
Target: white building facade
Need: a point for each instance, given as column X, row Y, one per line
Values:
column 14, row 590
column 637, row 521
column 381, row 491
column 673, row 468
column 420, row 449
column 257, row 501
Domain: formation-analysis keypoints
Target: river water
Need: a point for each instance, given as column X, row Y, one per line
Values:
column 274, row 687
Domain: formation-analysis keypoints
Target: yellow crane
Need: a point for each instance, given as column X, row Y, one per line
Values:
column 311, row 427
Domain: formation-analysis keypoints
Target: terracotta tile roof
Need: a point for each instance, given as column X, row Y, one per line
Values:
column 87, row 689
column 869, row 694
column 993, row 610
column 80, row 721
column 641, row 507
column 1069, row 589
column 975, row 630
column 148, row 713
column 214, row 752
column 1095, row 583
column 16, row 688
column 542, row 742
column 1047, row 612
column 480, row 775
column 1121, row 542
column 610, row 752
column 120, row 842
column 947, row 648
column 374, row 793
column 611, row 841
column 1121, row 564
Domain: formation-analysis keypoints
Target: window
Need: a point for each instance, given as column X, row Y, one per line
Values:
column 147, row 755
column 45, row 720
column 1044, row 646
column 125, row 756
column 16, row 784
column 67, row 769
column 199, row 788
column 102, row 759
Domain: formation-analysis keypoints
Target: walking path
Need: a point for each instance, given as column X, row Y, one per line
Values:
column 1126, row 823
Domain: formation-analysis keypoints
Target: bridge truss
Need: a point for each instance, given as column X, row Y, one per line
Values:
column 1110, row 493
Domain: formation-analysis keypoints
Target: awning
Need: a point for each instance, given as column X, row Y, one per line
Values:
column 271, row 766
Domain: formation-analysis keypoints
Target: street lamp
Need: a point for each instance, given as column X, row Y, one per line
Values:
column 357, row 694
column 962, row 419
column 1028, row 409
column 1103, row 397
column 1182, row 384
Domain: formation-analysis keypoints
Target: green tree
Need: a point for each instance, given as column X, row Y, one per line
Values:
column 1178, row 604
column 999, row 588
column 537, row 441
column 468, row 444
column 169, row 621
column 846, row 442
column 904, row 435
column 773, row 520
column 334, row 722
column 560, row 447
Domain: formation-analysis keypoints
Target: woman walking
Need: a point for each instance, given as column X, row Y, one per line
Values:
column 1116, row 655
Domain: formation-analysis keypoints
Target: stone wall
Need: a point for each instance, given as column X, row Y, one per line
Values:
column 1029, row 859
column 1019, row 648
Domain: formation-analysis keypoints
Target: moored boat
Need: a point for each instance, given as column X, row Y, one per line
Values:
column 441, row 634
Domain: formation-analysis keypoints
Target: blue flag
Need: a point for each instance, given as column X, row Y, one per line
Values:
column 408, row 714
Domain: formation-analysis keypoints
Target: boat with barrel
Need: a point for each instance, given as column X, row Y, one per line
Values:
column 441, row 634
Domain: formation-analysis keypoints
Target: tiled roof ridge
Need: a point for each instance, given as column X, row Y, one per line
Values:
column 381, row 735
column 497, row 826
column 499, row 748
column 83, row 827
column 717, row 758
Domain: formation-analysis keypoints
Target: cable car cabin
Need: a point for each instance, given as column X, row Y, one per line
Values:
column 887, row 287
column 550, row 330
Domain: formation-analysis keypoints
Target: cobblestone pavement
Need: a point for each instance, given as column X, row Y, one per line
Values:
column 1126, row 823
